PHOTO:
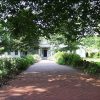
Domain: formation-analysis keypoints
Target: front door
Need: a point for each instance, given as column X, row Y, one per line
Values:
column 45, row 53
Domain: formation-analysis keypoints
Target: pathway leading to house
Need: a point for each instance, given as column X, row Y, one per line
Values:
column 47, row 80
column 46, row 66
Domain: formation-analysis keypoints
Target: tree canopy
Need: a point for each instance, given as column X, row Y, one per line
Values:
column 33, row 18
column 91, row 43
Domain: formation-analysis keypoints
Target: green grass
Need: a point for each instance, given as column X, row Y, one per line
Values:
column 92, row 59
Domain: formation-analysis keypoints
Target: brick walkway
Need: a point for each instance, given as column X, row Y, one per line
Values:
column 49, row 81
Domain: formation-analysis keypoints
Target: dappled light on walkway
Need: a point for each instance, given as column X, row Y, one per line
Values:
column 53, row 85
column 20, row 91
column 95, row 82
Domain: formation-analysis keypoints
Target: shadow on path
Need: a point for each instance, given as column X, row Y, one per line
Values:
column 41, row 82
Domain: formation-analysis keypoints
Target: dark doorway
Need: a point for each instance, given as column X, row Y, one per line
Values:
column 44, row 53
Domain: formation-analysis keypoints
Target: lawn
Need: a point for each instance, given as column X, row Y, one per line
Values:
column 93, row 59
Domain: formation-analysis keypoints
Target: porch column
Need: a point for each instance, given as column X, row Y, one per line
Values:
column 39, row 51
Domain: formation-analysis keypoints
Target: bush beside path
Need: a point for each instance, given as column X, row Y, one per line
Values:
column 10, row 67
column 75, row 61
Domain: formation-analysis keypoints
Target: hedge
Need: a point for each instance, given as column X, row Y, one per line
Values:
column 9, row 67
column 76, row 61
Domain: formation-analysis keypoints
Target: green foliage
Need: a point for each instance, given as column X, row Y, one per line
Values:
column 67, row 58
column 91, row 43
column 22, row 63
column 77, row 62
column 29, row 59
column 60, row 58
column 93, row 68
column 73, row 59
column 71, row 18
column 7, row 70
column 57, row 39
column 94, row 55
column 9, row 67
column 8, row 41
column 36, row 57
column 31, row 19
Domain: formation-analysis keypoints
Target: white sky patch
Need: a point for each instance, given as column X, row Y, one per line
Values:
column 33, row 12
column 5, row 20
column 99, row 25
column 27, row 8
column 23, row 3
column 9, row 15
column 78, row 23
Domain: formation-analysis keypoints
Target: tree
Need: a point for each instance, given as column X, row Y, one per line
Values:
column 71, row 18
column 8, row 42
column 58, row 39
column 91, row 43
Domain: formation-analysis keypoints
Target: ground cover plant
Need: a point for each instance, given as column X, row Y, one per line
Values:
column 76, row 61
column 10, row 67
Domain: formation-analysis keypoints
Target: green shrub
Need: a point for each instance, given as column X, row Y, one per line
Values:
column 72, row 59
column 67, row 58
column 61, row 60
column 57, row 54
column 76, row 61
column 59, row 57
column 23, row 63
column 36, row 57
column 29, row 59
column 9, row 67
column 93, row 68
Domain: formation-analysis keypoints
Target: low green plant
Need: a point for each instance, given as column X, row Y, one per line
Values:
column 9, row 67
column 29, row 59
column 59, row 57
column 93, row 68
column 36, row 57
column 72, row 59
column 67, row 58
column 77, row 62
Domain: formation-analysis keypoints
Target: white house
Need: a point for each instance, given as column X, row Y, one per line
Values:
column 13, row 54
column 81, row 51
column 45, row 50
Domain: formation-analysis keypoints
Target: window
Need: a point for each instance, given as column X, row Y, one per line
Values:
column 16, row 52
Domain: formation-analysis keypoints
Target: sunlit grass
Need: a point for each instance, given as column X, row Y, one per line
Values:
column 92, row 59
